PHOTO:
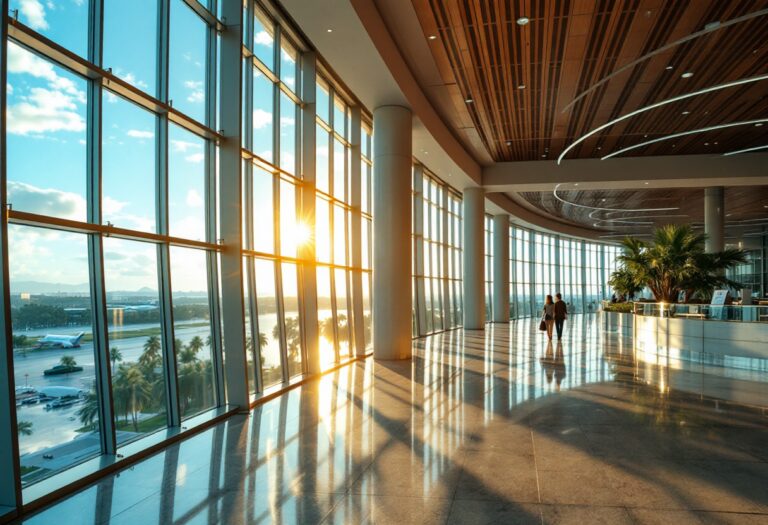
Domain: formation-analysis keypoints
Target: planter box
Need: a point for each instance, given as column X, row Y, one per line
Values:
column 622, row 323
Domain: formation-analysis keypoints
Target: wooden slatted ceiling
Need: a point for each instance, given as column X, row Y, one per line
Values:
column 742, row 203
column 569, row 45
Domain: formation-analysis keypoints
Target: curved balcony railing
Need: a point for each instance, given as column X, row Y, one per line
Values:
column 706, row 312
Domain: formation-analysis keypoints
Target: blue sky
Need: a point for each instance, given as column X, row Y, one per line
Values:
column 47, row 134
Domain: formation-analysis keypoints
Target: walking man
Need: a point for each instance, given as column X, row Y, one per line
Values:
column 561, row 313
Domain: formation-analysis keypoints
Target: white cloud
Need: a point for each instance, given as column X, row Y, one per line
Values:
column 22, row 61
column 287, row 121
column 195, row 158
column 33, row 13
column 183, row 146
column 44, row 111
column 9, row 88
column 82, row 141
column 131, row 79
column 261, row 118
column 140, row 134
column 112, row 206
column 263, row 38
column 194, row 199
column 46, row 201
column 196, row 87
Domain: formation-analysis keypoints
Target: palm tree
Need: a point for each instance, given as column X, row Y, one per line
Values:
column 624, row 282
column 133, row 392
column 89, row 411
column 196, row 344
column 115, row 356
column 24, row 428
column 151, row 358
column 675, row 261
column 68, row 361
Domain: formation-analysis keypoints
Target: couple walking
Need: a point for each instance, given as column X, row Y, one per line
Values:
column 554, row 315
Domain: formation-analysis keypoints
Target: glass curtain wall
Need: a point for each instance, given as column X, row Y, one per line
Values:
column 542, row 264
column 437, row 254
column 273, row 226
column 488, row 261
column 111, row 250
column 335, row 209
column 112, row 167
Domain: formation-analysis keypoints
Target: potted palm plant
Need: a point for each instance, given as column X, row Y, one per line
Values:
column 675, row 261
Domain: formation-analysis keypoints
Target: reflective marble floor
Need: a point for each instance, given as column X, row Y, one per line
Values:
column 481, row 427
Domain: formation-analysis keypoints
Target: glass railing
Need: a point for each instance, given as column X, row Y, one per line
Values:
column 737, row 313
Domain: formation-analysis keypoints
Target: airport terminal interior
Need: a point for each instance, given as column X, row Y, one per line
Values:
column 290, row 261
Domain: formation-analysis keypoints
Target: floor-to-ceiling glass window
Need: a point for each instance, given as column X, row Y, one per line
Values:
column 437, row 254
column 542, row 264
column 488, row 261
column 335, row 213
column 275, row 230
column 111, row 248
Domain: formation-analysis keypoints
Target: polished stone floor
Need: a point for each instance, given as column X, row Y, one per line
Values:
column 481, row 427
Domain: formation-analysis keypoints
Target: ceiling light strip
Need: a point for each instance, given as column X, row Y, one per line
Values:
column 658, row 105
column 660, row 50
column 756, row 148
column 558, row 197
column 683, row 134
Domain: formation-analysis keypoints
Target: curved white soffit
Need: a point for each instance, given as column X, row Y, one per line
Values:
column 660, row 50
column 658, row 105
column 756, row 148
column 558, row 197
column 685, row 133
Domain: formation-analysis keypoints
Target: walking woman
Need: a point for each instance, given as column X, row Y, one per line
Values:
column 549, row 315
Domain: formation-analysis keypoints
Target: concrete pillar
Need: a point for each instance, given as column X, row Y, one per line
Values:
column 474, row 269
column 714, row 219
column 392, row 300
column 500, row 269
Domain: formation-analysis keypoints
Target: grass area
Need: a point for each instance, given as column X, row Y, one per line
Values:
column 146, row 425
column 114, row 335
column 28, row 470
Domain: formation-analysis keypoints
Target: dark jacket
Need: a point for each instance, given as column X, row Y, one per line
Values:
column 560, row 310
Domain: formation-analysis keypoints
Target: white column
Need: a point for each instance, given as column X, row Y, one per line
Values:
column 392, row 299
column 501, row 268
column 714, row 218
column 474, row 269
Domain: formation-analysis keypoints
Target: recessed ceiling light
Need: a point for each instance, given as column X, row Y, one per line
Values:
column 645, row 136
column 575, row 183
column 603, row 200
column 469, row 101
column 543, row 156
column 599, row 147
column 509, row 143
column 686, row 113
column 715, row 143
column 668, row 68
column 706, row 143
column 687, row 74
column 522, row 21
column 329, row 30
column 521, row 86
column 432, row 37
column 645, row 183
